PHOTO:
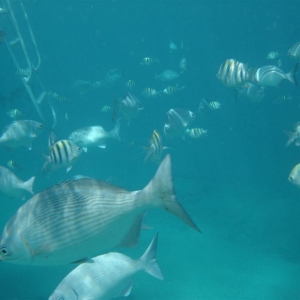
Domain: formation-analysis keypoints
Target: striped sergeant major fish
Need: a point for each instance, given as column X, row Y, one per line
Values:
column 77, row 220
column 233, row 73
column 63, row 153
column 156, row 147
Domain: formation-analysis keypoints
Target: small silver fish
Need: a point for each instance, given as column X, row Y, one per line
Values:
column 273, row 55
column 14, row 113
column 167, row 75
column 21, row 133
column 252, row 91
column 113, row 75
column 94, row 136
column 77, row 220
column 214, row 105
column 274, row 76
column 12, row 186
column 172, row 47
column 294, row 176
column 183, row 65
column 129, row 108
column 293, row 136
column 106, row 108
column 178, row 120
column 110, row 276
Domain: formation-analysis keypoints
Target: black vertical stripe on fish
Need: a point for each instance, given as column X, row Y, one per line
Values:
column 67, row 149
column 58, row 152
column 54, row 159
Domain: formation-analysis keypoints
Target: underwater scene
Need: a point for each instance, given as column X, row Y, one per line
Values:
column 149, row 150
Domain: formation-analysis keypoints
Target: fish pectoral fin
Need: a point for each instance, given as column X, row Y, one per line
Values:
column 69, row 168
column 83, row 260
column 84, row 149
column 102, row 146
column 29, row 146
column 132, row 237
column 127, row 290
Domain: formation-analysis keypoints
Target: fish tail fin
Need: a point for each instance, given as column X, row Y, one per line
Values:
column 161, row 191
column 149, row 260
column 115, row 132
column 291, row 137
column 148, row 151
column 28, row 185
column 291, row 76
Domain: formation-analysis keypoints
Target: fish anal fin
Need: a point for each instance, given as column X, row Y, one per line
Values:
column 132, row 237
column 127, row 289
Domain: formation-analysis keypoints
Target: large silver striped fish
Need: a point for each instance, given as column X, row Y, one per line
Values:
column 76, row 220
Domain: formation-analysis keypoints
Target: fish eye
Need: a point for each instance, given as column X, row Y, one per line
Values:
column 291, row 178
column 4, row 251
column 79, row 149
column 60, row 298
column 41, row 126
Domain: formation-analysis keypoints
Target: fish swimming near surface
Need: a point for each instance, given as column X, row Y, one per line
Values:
column 21, row 133
column 294, row 176
column 178, row 120
column 129, row 108
column 273, row 76
column 63, row 153
column 294, row 51
column 167, row 75
column 110, row 276
column 12, row 186
column 77, row 220
column 233, row 73
column 94, row 136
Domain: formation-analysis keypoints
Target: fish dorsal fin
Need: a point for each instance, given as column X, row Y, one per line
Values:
column 83, row 260
column 132, row 237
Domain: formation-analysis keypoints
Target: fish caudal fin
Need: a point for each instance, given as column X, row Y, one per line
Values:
column 115, row 132
column 28, row 185
column 149, row 260
column 291, row 135
column 291, row 76
column 160, row 189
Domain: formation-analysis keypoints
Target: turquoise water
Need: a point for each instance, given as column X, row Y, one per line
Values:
column 233, row 182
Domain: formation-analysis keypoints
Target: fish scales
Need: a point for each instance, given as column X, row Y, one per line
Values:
column 79, row 219
column 81, row 211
